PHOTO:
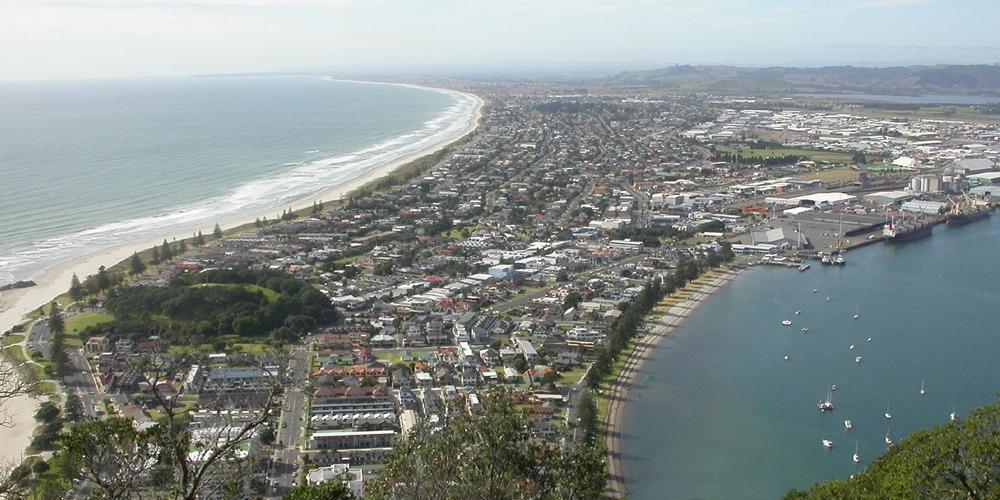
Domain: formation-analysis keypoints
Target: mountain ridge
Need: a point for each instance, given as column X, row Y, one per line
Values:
column 978, row 79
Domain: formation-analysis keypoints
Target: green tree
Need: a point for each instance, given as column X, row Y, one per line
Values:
column 571, row 300
column 332, row 490
column 56, row 323
column 182, row 248
column 199, row 239
column 155, row 258
column 217, row 231
column 488, row 454
column 166, row 253
column 135, row 265
column 248, row 326
column 103, row 279
column 113, row 455
column 47, row 412
column 76, row 291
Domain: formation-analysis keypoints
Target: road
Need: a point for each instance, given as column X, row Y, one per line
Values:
column 285, row 462
column 81, row 382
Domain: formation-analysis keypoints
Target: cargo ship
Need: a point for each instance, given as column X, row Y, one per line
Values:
column 906, row 231
column 967, row 215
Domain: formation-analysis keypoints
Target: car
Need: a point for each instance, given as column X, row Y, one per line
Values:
column 284, row 425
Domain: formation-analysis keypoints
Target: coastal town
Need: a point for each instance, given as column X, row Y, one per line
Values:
column 311, row 343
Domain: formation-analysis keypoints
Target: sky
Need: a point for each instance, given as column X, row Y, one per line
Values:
column 64, row 39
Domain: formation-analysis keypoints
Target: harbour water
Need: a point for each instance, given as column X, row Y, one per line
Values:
column 717, row 413
column 87, row 165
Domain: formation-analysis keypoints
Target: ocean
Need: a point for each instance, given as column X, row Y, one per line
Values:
column 717, row 413
column 88, row 165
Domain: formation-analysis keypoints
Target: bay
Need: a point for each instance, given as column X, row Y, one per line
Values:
column 717, row 413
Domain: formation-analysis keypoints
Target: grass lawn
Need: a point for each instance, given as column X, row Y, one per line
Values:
column 834, row 175
column 252, row 348
column 266, row 292
column 80, row 322
column 811, row 154
column 11, row 340
column 573, row 376
column 48, row 387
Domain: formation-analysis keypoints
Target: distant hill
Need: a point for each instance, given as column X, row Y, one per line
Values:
column 941, row 79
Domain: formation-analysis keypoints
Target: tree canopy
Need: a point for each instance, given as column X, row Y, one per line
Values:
column 489, row 453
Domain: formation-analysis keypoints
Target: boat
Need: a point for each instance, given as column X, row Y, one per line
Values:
column 827, row 404
column 825, row 259
column 798, row 313
column 804, row 267
column 888, row 440
column 906, row 231
column 954, row 414
column 967, row 212
column 848, row 424
column 962, row 218
column 828, row 299
column 856, row 457
column 786, row 357
column 805, row 330
column 815, row 290
column 888, row 416
column 833, row 387
column 838, row 260
column 922, row 391
column 786, row 322
column 869, row 339
column 856, row 315
column 852, row 347
column 827, row 443
column 857, row 359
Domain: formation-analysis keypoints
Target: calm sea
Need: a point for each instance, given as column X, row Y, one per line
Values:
column 92, row 164
column 718, row 414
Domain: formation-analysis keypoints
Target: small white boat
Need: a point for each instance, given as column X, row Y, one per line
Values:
column 786, row 357
column 786, row 322
column 852, row 347
column 922, row 391
column 888, row 415
column 888, row 440
column 869, row 339
column 848, row 424
column 827, row 404
column 805, row 330
column 856, row 457
column 798, row 313
column 833, row 387
column 857, row 359
column 954, row 414
column 827, row 443
column 828, row 299
column 815, row 290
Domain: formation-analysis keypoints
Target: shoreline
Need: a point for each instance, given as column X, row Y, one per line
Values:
column 54, row 281
column 666, row 324
column 16, row 304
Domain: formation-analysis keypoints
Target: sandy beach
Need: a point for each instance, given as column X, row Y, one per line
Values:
column 619, row 393
column 15, row 304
